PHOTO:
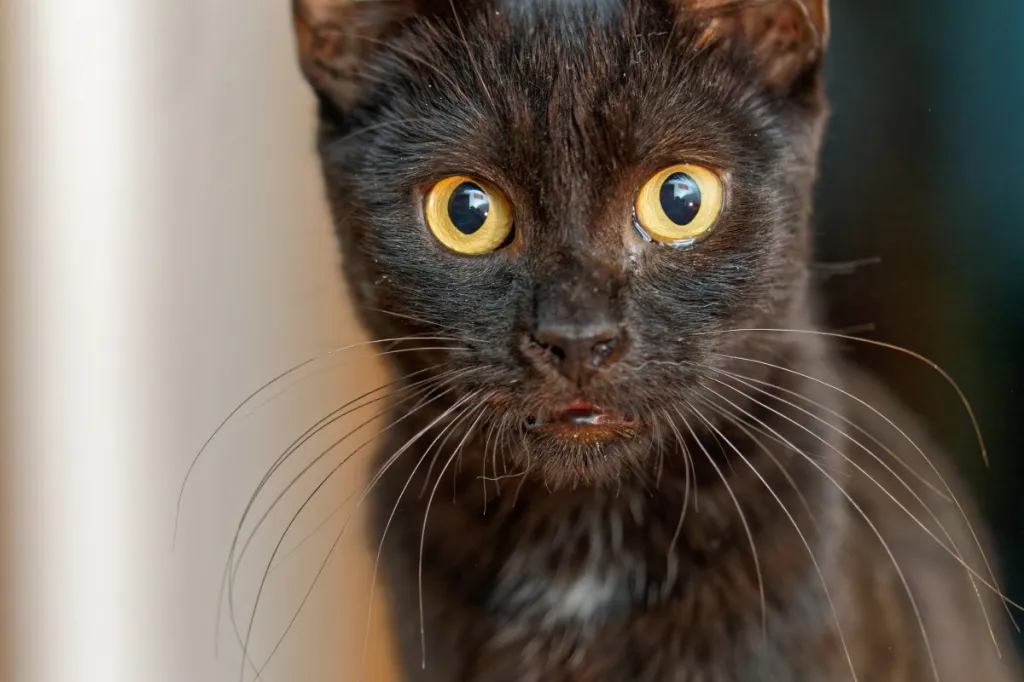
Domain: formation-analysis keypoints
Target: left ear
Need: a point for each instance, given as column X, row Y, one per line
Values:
column 787, row 37
column 336, row 37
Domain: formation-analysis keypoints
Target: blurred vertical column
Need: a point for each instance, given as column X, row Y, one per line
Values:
column 253, row 288
column 6, row 484
column 82, row 382
column 166, row 249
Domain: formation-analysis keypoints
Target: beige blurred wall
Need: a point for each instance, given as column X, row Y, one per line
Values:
column 5, row 481
column 239, row 280
column 252, row 271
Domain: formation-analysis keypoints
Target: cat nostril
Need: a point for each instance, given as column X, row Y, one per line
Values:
column 557, row 353
column 602, row 351
column 550, row 348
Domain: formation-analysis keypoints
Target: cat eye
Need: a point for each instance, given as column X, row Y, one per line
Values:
column 679, row 204
column 469, row 216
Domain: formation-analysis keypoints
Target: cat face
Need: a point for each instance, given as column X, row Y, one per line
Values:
column 577, row 196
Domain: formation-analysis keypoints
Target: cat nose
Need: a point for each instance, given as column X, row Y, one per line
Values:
column 579, row 351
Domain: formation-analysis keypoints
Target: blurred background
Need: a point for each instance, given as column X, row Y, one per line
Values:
column 920, row 190
column 165, row 252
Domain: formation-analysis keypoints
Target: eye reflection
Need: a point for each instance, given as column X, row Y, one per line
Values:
column 468, row 208
column 680, row 198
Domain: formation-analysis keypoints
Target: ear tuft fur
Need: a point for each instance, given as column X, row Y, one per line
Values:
column 788, row 37
column 335, row 37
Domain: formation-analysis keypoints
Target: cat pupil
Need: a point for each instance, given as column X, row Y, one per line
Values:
column 468, row 208
column 680, row 198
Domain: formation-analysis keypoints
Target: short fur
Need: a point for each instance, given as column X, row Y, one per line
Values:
column 758, row 522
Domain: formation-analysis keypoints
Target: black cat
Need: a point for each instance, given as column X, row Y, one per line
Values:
column 628, row 454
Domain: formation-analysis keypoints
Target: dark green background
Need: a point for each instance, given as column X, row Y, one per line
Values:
column 924, row 170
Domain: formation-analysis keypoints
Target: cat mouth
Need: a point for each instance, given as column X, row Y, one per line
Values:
column 583, row 422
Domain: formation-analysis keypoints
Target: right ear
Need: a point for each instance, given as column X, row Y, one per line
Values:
column 787, row 37
column 335, row 37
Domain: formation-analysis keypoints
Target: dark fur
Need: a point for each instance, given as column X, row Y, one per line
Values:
column 569, row 107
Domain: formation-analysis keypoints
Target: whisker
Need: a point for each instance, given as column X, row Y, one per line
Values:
column 423, row 533
column 994, row 585
column 252, row 396
column 394, row 510
column 899, row 349
column 309, row 536
column 496, row 479
column 959, row 555
column 425, row 398
column 749, row 433
column 860, row 511
column 846, row 420
column 472, row 55
column 743, row 520
column 789, row 515
column 284, row 535
column 338, row 510
column 366, row 491
column 233, row 562
column 465, row 336
column 484, row 478
column 319, row 527
column 338, row 414
column 673, row 563
column 333, row 417
column 323, row 565
column 430, row 469
column 660, row 467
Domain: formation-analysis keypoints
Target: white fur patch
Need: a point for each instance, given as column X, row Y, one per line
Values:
column 574, row 578
column 581, row 599
column 530, row 602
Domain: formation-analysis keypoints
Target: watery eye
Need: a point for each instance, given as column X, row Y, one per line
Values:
column 679, row 204
column 469, row 216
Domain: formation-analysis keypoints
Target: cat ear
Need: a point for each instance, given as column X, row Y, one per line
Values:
column 788, row 37
column 335, row 37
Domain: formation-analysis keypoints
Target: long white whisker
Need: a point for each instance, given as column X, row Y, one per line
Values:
column 252, row 396
column 234, row 560
column 994, row 585
column 687, row 464
column 796, row 527
column 387, row 526
column 863, row 515
column 262, row 585
column 743, row 520
column 899, row 349
column 956, row 550
column 846, row 420
column 331, row 418
column 235, row 557
column 737, row 421
column 423, row 534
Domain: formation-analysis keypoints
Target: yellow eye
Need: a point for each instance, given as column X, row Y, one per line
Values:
column 469, row 216
column 679, row 204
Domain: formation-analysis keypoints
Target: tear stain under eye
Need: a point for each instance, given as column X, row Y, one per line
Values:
column 680, row 245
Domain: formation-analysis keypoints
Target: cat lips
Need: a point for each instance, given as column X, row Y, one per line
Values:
column 583, row 421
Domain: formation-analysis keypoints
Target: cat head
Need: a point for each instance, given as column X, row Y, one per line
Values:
column 578, row 196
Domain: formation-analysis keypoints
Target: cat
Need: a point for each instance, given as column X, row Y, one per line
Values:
column 621, row 448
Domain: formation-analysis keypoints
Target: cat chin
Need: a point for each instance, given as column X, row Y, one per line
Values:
column 594, row 456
